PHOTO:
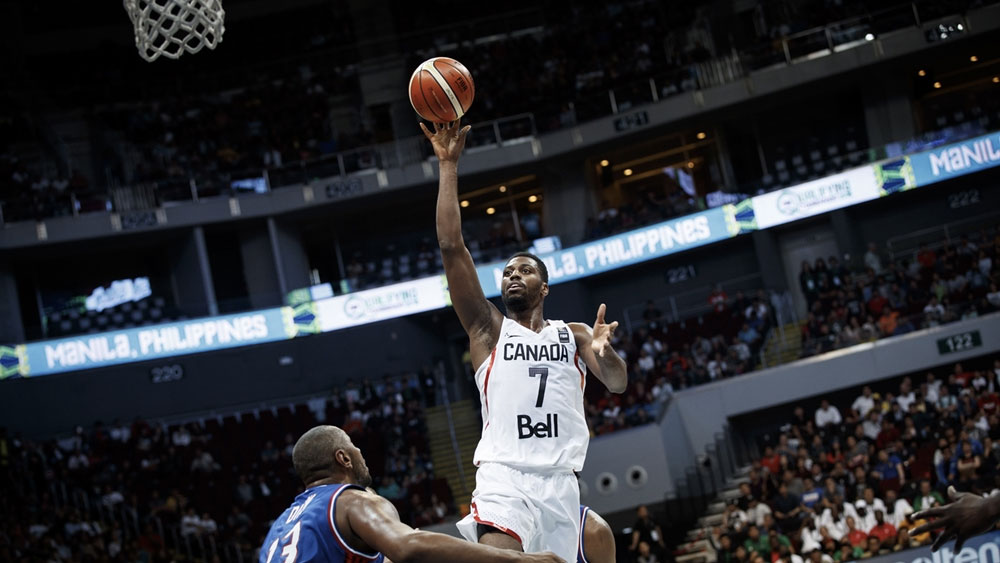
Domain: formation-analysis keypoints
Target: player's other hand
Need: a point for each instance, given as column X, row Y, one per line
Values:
column 546, row 557
column 602, row 333
column 448, row 139
column 967, row 515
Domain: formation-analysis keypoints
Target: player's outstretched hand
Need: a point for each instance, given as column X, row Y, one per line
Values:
column 448, row 139
column 967, row 515
column 546, row 557
column 602, row 333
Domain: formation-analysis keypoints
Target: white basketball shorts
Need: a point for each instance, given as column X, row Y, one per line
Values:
column 541, row 510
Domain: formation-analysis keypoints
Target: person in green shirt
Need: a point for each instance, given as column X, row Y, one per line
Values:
column 848, row 552
column 755, row 543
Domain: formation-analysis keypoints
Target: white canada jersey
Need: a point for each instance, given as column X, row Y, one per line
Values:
column 531, row 388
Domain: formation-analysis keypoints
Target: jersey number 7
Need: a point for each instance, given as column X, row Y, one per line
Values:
column 543, row 374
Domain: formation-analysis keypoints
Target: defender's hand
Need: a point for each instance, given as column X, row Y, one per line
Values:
column 602, row 333
column 448, row 139
column 966, row 516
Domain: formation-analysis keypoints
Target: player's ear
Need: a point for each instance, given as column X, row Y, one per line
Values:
column 545, row 289
column 342, row 458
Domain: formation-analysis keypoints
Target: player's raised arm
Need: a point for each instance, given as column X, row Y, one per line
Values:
column 595, row 348
column 480, row 318
column 374, row 521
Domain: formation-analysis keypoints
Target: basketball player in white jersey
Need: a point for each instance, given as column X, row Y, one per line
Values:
column 531, row 376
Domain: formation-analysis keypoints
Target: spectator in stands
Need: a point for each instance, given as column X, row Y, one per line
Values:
column 864, row 403
column 872, row 259
column 645, row 530
column 827, row 414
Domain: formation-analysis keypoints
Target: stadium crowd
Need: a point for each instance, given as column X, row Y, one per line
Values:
column 838, row 484
column 879, row 297
column 145, row 491
column 847, row 306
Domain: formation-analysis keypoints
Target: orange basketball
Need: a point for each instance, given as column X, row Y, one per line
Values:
column 441, row 90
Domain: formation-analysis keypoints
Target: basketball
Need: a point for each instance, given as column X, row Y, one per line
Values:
column 441, row 90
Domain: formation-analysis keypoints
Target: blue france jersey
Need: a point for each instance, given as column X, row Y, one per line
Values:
column 307, row 531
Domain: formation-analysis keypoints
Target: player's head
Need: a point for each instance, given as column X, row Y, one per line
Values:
column 327, row 453
column 525, row 282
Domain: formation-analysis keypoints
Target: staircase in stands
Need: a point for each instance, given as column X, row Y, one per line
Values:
column 468, row 429
column 784, row 347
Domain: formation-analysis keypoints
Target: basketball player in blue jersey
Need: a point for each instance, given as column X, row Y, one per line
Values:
column 597, row 541
column 335, row 520
column 531, row 377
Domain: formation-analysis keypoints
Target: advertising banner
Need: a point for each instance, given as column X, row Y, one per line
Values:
column 391, row 301
column 980, row 549
column 633, row 247
column 815, row 197
column 957, row 159
column 160, row 341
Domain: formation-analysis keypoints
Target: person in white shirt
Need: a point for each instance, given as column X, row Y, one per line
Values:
column 899, row 508
column 872, row 425
column 933, row 389
column 181, row 437
column 758, row 512
column 864, row 402
column 906, row 395
column 872, row 259
column 827, row 414
column 190, row 523
column 833, row 520
column 866, row 516
column 933, row 311
column 207, row 524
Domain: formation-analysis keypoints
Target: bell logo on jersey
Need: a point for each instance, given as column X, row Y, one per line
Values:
column 547, row 429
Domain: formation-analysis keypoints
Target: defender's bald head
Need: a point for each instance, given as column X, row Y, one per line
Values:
column 315, row 454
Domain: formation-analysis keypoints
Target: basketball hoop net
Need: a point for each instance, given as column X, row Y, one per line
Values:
column 172, row 27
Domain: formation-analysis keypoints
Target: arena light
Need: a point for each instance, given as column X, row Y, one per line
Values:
column 996, row 79
column 937, row 84
column 921, row 72
column 605, row 162
column 627, row 172
column 465, row 203
column 490, row 211
column 701, row 135
column 690, row 164
column 532, row 198
column 869, row 37
column 503, row 189
column 973, row 59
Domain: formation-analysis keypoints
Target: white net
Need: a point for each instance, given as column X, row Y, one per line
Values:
column 170, row 28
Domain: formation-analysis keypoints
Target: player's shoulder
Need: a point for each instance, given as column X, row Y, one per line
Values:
column 580, row 330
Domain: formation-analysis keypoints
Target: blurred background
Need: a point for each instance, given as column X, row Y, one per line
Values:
column 783, row 203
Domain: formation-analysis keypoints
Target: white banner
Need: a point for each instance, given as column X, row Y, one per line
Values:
column 391, row 301
column 815, row 197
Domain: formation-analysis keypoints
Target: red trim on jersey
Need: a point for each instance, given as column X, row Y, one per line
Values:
column 583, row 374
column 351, row 555
column 486, row 383
column 508, row 531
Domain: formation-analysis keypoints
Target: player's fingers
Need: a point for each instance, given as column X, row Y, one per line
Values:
column 941, row 540
column 426, row 131
column 935, row 512
column 612, row 327
column 959, row 541
column 953, row 493
column 600, row 314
